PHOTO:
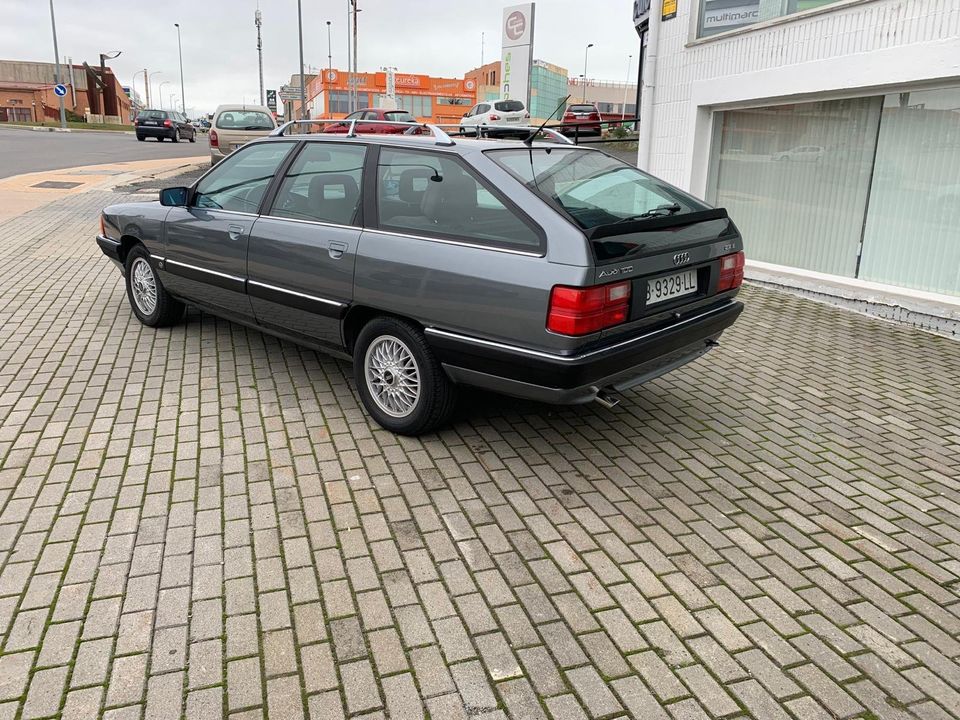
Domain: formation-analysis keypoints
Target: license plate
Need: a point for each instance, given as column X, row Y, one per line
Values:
column 672, row 286
column 149, row 122
column 509, row 119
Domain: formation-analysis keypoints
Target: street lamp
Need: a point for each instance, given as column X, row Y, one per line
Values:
column 626, row 84
column 329, row 49
column 103, row 79
column 150, row 82
column 160, row 92
column 56, row 54
column 183, row 96
column 585, row 52
column 303, row 89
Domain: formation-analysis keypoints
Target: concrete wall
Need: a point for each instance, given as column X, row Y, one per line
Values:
column 849, row 49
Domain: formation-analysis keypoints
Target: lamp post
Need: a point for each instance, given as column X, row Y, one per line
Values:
column 329, row 49
column 183, row 96
column 56, row 54
column 585, row 54
column 103, row 79
column 160, row 92
column 303, row 89
column 258, row 21
column 626, row 84
column 149, row 82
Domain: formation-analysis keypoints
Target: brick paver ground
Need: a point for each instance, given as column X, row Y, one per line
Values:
column 201, row 521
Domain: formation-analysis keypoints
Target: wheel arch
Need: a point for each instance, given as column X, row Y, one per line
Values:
column 359, row 315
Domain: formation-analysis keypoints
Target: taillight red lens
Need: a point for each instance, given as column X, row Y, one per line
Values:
column 494, row 117
column 214, row 140
column 731, row 271
column 103, row 227
column 526, row 115
column 581, row 311
column 167, row 123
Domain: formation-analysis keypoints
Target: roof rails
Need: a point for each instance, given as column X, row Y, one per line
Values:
column 439, row 135
column 486, row 130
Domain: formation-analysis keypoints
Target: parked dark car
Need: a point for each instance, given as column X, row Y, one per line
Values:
column 578, row 119
column 546, row 271
column 162, row 124
column 367, row 122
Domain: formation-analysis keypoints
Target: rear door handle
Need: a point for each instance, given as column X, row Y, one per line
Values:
column 337, row 249
column 235, row 231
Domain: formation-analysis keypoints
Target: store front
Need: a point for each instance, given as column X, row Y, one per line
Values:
column 865, row 188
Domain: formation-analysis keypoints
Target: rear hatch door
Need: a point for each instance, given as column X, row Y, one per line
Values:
column 511, row 112
column 235, row 128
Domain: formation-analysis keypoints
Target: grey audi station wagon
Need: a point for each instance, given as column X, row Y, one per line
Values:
column 533, row 268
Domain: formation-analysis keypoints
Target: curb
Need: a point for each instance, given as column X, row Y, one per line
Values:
column 49, row 128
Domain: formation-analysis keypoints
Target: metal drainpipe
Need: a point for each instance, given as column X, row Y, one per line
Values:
column 649, row 83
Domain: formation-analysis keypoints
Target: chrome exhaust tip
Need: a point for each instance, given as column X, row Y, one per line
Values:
column 606, row 399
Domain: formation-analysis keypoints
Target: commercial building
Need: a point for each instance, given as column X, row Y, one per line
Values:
column 26, row 93
column 830, row 129
column 613, row 99
column 429, row 99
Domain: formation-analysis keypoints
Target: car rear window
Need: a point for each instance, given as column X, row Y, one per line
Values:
column 595, row 190
column 152, row 115
column 508, row 105
column 581, row 109
column 244, row 120
column 399, row 116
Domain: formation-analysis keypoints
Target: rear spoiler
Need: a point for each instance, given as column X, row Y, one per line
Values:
column 655, row 223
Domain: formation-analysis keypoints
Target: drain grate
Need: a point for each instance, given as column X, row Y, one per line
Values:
column 60, row 184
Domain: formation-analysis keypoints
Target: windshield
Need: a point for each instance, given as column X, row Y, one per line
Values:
column 508, row 105
column 399, row 116
column 594, row 190
column 244, row 120
column 581, row 109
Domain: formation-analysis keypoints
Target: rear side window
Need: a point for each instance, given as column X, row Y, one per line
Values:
column 431, row 194
column 238, row 182
column 244, row 120
column 508, row 105
column 152, row 115
column 323, row 184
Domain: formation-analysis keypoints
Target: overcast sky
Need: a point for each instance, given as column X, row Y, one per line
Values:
column 219, row 39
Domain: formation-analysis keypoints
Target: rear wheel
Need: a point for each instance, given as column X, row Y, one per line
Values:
column 141, row 138
column 193, row 137
column 400, row 382
column 176, row 135
column 150, row 301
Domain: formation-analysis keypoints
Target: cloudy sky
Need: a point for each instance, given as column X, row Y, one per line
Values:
column 219, row 38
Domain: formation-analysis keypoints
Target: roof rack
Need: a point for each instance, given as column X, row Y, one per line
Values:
column 439, row 135
column 485, row 130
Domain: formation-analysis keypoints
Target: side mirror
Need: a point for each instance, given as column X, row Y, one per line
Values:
column 175, row 197
column 466, row 115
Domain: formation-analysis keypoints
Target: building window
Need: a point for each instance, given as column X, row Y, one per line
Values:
column 338, row 101
column 717, row 16
column 420, row 106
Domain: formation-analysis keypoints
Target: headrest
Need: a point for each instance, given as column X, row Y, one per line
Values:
column 411, row 190
column 451, row 200
column 320, row 183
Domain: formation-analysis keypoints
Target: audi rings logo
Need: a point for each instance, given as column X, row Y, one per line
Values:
column 515, row 25
column 681, row 258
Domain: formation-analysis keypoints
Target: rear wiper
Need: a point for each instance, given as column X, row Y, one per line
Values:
column 256, row 127
column 659, row 211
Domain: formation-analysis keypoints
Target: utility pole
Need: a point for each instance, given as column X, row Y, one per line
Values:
column 146, row 89
column 585, row 53
column 623, row 107
column 329, row 49
column 349, row 72
column 303, row 89
column 56, row 54
column 356, row 94
column 183, row 97
column 258, row 20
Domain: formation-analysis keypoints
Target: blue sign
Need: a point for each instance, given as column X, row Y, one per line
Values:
column 60, row 90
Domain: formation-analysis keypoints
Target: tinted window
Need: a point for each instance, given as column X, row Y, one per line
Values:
column 431, row 194
column 322, row 184
column 482, row 108
column 238, row 182
column 581, row 109
column 152, row 115
column 508, row 105
column 244, row 120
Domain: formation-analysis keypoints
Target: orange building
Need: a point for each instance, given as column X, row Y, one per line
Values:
column 429, row 99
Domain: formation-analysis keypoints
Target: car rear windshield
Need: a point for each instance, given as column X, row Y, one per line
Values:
column 244, row 120
column 597, row 191
column 508, row 105
column 152, row 115
column 581, row 109
column 399, row 116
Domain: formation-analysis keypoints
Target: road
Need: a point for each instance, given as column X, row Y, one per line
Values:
column 26, row 151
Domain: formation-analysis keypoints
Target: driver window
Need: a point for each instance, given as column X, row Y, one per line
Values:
column 238, row 182
column 323, row 184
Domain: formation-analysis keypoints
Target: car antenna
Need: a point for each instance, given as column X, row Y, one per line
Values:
column 529, row 139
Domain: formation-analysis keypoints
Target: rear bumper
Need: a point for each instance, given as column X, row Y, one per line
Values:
column 150, row 131
column 577, row 378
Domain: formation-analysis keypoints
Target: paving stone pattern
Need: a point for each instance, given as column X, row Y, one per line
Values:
column 202, row 522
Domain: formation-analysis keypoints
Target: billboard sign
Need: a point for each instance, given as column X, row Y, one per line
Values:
column 517, row 54
column 721, row 15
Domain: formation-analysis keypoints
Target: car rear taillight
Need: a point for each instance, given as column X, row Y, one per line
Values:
column 214, row 140
column 581, row 311
column 494, row 117
column 594, row 116
column 167, row 123
column 526, row 115
column 731, row 271
column 103, row 227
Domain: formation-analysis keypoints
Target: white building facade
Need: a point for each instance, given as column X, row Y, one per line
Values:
column 830, row 130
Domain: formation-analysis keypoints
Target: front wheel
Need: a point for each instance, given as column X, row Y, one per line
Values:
column 400, row 382
column 150, row 301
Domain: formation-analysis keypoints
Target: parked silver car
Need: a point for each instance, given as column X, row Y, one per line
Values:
column 539, row 269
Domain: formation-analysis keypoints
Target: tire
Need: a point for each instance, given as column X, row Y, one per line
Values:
column 164, row 308
column 176, row 135
column 141, row 138
column 392, row 339
column 159, row 138
column 193, row 138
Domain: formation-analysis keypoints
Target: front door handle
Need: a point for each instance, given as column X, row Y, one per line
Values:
column 337, row 249
column 235, row 231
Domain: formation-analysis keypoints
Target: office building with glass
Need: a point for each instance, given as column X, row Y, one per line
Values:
column 830, row 129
